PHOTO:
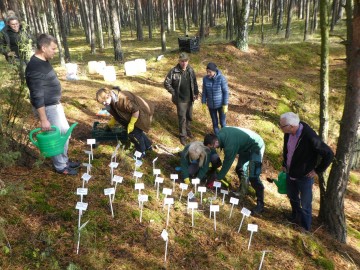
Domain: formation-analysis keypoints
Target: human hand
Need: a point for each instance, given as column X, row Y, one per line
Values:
column 45, row 125
column 225, row 108
column 111, row 123
column 311, row 174
column 187, row 181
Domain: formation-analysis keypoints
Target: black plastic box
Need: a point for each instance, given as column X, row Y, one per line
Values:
column 101, row 132
column 189, row 44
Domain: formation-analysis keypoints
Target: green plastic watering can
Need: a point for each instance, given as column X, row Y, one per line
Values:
column 280, row 182
column 51, row 143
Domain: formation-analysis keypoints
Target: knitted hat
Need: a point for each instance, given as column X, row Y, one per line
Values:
column 211, row 66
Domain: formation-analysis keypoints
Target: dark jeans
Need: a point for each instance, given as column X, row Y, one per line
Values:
column 215, row 119
column 139, row 138
column 299, row 191
column 184, row 112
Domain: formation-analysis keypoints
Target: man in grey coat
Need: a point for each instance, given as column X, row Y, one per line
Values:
column 181, row 83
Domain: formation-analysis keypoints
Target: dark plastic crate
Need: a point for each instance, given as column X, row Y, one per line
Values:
column 189, row 44
column 101, row 132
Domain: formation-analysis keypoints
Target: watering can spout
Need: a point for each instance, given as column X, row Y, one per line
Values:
column 66, row 136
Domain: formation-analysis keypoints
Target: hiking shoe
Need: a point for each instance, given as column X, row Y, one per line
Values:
column 67, row 171
column 259, row 208
column 183, row 141
column 73, row 164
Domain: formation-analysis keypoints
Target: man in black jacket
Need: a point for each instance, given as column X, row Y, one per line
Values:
column 301, row 152
column 45, row 95
column 181, row 84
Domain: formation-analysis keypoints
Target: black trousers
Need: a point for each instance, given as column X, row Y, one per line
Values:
column 140, row 140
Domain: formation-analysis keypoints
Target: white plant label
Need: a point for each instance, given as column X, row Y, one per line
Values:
column 214, row 208
column 164, row 235
column 139, row 186
column 246, row 212
column 82, row 191
column 159, row 180
column 224, row 192
column 193, row 205
column 138, row 163
column 156, row 171
column 143, row 198
column 86, row 177
column 217, row 184
column 87, row 152
column 252, row 227
column 183, row 186
column 109, row 191
column 117, row 179
column 202, row 189
column 81, row 206
column 191, row 195
column 138, row 174
column 138, row 154
column 234, row 200
column 168, row 201
column 91, row 141
column 167, row 191
column 195, row 181
column 113, row 165
column 174, row 176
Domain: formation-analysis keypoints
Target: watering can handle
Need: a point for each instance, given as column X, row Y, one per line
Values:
column 31, row 135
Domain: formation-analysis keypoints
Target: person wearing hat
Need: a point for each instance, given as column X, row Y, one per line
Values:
column 215, row 96
column 181, row 83
column 195, row 162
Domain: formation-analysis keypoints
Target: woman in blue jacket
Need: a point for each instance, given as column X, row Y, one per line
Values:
column 215, row 95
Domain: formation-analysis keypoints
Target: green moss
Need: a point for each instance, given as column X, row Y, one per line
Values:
column 354, row 179
column 353, row 232
column 325, row 263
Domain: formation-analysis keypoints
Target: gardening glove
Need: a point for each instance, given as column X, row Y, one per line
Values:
column 111, row 122
column 225, row 108
column 187, row 181
column 131, row 125
column 204, row 107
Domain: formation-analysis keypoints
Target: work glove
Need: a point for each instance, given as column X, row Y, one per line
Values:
column 204, row 107
column 187, row 181
column 225, row 108
column 131, row 125
column 111, row 123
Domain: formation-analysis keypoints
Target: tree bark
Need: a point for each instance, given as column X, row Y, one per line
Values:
column 99, row 30
column 162, row 26
column 289, row 17
column 324, row 95
column 339, row 174
column 118, row 54
column 307, row 20
column 56, row 31
column 139, row 30
column 243, row 15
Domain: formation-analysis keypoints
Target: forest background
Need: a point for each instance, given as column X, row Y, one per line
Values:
column 277, row 55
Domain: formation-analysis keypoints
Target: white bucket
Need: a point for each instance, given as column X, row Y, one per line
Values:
column 92, row 67
column 109, row 73
column 141, row 65
column 130, row 68
column 71, row 71
column 100, row 67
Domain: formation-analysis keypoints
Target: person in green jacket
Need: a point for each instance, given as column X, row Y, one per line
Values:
column 195, row 162
column 250, row 147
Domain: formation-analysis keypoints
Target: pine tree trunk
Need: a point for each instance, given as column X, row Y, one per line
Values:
column 339, row 175
column 92, row 27
column 281, row 14
column 56, row 31
column 118, row 54
column 307, row 20
column 289, row 17
column 162, row 26
column 185, row 19
column 242, row 35
column 202, row 20
column 139, row 30
column 150, row 18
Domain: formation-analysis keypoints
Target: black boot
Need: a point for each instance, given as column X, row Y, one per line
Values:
column 259, row 208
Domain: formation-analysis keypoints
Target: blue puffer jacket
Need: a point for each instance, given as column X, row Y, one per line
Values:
column 215, row 91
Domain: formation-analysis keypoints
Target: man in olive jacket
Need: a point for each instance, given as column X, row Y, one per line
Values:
column 181, row 83
column 132, row 112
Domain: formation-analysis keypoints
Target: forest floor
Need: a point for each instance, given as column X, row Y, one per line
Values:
column 38, row 219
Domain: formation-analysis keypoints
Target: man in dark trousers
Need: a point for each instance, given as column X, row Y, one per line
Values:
column 301, row 153
column 181, row 84
column 45, row 95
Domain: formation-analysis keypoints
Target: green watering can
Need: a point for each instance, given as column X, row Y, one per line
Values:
column 51, row 143
column 280, row 182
